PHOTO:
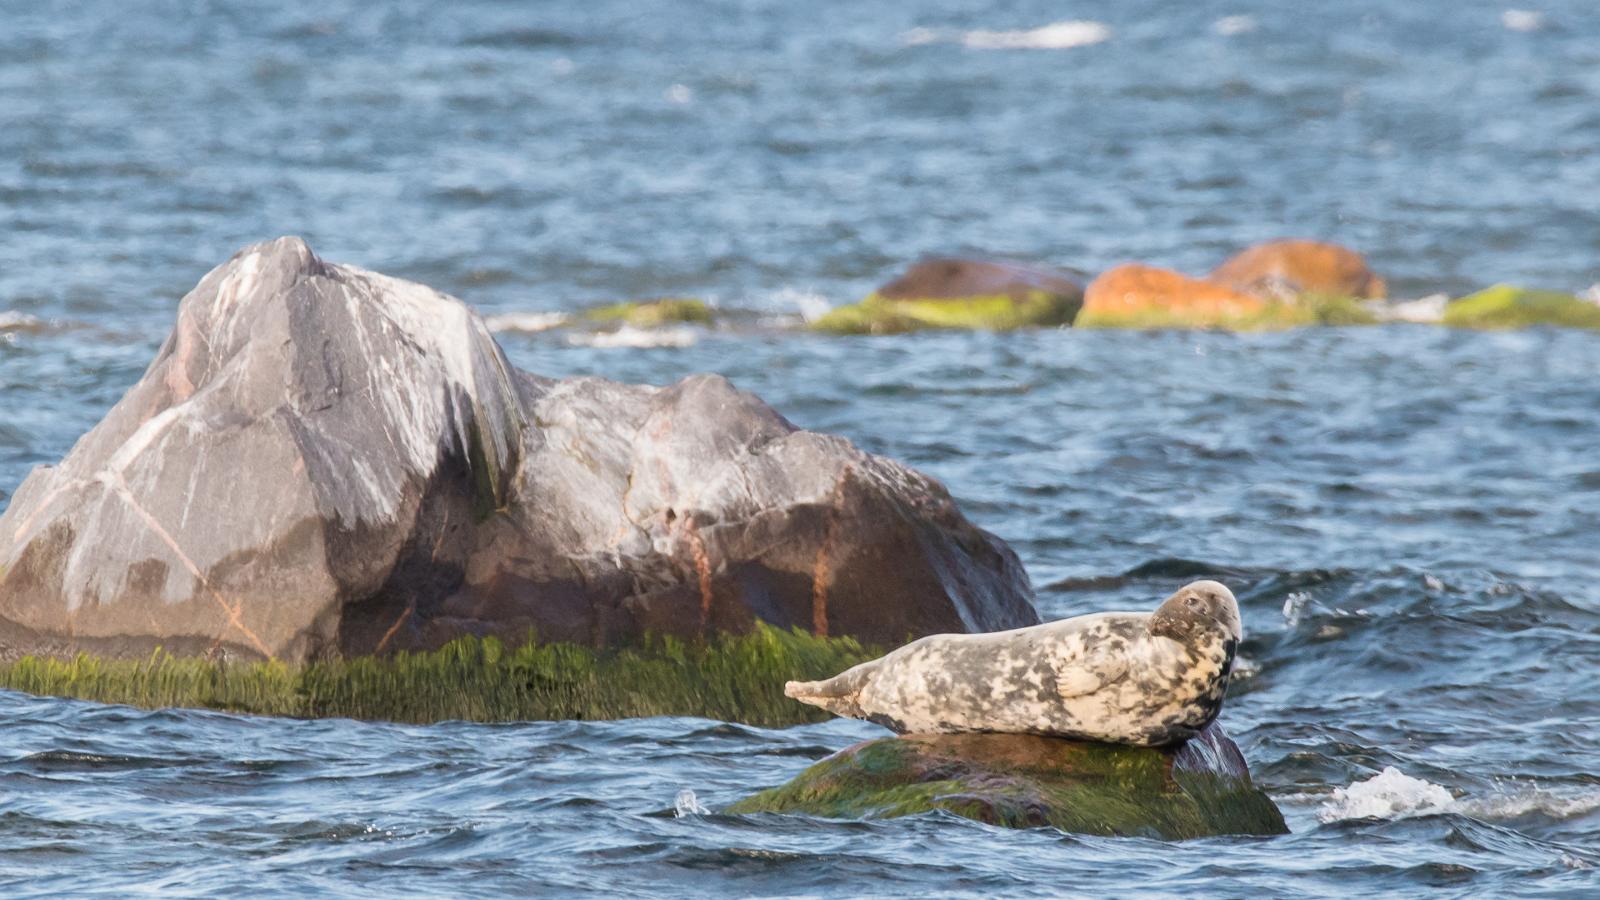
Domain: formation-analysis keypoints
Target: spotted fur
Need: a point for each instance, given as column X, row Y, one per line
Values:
column 1147, row 679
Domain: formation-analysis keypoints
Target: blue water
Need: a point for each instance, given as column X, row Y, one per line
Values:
column 1409, row 515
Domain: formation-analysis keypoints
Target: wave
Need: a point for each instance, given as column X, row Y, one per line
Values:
column 630, row 337
column 811, row 305
column 1424, row 310
column 687, row 804
column 527, row 322
column 1392, row 794
column 1055, row 36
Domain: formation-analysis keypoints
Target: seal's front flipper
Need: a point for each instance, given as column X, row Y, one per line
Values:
column 1089, row 671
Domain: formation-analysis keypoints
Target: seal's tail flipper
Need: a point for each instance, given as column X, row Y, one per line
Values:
column 837, row 695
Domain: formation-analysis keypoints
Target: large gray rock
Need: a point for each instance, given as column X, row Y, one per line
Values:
column 326, row 460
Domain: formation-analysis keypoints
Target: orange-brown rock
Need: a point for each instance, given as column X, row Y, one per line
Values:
column 1135, row 289
column 1285, row 269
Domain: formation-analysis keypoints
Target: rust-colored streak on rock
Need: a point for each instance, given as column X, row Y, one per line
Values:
column 702, row 568
column 394, row 629
column 821, row 571
column 120, row 487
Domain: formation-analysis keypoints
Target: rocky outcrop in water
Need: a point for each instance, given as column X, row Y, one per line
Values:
column 1136, row 295
column 1507, row 306
column 324, row 460
column 1278, row 284
column 1200, row 789
column 962, row 293
column 1285, row 270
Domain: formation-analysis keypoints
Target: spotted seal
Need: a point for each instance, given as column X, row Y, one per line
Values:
column 1147, row 679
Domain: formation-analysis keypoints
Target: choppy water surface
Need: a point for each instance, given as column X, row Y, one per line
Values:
column 1410, row 516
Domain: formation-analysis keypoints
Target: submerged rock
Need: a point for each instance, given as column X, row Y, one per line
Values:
column 654, row 313
column 1200, row 789
column 962, row 293
column 1507, row 306
column 1285, row 270
column 327, row 461
column 1140, row 296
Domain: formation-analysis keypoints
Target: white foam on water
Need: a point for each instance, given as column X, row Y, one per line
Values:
column 1523, row 20
column 1228, row 26
column 811, row 305
column 527, row 322
column 1425, row 310
column 630, row 337
column 687, row 804
column 1391, row 794
column 679, row 94
column 1293, row 606
column 1591, row 294
column 1055, row 36
column 1525, row 800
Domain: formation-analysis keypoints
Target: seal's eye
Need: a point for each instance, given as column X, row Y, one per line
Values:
column 1193, row 602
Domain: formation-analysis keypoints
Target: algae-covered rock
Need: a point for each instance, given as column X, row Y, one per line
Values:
column 1200, row 789
column 1284, row 270
column 1507, row 306
column 962, row 294
column 736, row 678
column 654, row 313
column 1140, row 296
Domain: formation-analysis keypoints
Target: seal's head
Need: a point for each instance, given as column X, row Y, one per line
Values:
column 1197, row 610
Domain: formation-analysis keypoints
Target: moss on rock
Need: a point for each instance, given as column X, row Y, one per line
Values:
column 1276, row 315
column 1507, row 306
column 654, row 313
column 1020, row 781
column 732, row 677
column 998, row 312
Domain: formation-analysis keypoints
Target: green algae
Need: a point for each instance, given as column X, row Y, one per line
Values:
column 654, row 313
column 999, row 312
column 1506, row 306
column 1308, row 310
column 1074, row 786
column 730, row 677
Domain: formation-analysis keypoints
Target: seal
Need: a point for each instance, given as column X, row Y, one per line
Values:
column 1146, row 679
